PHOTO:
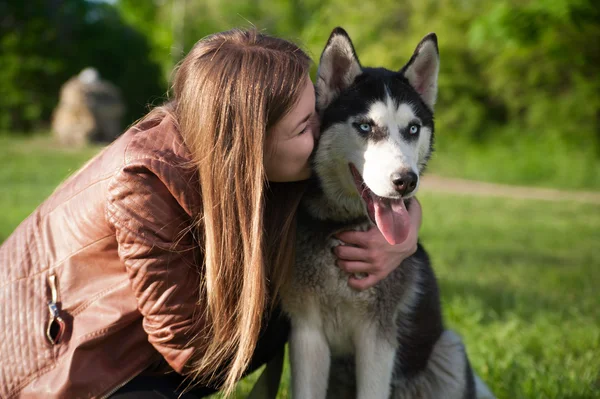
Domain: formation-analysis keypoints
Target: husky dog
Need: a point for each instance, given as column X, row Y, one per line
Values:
column 387, row 341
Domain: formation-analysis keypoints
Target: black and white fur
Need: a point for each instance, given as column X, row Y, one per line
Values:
column 387, row 341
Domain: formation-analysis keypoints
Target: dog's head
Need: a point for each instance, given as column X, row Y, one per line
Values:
column 376, row 130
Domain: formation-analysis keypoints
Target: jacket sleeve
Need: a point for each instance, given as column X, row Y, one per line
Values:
column 156, row 245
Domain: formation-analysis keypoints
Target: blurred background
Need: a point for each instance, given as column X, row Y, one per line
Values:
column 519, row 80
column 512, row 207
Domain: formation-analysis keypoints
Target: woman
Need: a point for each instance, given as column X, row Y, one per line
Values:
column 167, row 250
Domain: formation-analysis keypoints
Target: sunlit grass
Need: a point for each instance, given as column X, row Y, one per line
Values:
column 518, row 160
column 30, row 170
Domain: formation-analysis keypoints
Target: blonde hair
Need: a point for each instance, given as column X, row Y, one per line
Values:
column 228, row 92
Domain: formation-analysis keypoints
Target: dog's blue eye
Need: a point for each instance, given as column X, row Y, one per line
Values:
column 365, row 127
column 414, row 129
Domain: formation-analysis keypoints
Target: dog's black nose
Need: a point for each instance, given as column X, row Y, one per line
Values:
column 405, row 183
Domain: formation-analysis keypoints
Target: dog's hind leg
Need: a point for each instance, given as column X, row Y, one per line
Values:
column 450, row 368
column 374, row 363
column 448, row 374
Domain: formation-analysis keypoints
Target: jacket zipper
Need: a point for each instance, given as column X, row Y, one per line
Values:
column 56, row 326
column 121, row 385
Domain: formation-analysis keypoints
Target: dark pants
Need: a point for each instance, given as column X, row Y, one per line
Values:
column 271, row 340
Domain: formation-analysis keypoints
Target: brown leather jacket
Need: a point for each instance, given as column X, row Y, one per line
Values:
column 112, row 247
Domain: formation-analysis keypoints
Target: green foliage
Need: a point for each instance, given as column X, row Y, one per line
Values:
column 542, row 61
column 519, row 80
column 154, row 23
column 525, row 70
column 514, row 74
column 43, row 43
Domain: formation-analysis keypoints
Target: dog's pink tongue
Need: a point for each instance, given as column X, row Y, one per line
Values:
column 392, row 220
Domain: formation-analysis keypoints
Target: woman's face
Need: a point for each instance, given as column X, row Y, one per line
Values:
column 291, row 141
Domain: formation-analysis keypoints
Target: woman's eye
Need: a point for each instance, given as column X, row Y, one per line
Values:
column 365, row 127
column 414, row 129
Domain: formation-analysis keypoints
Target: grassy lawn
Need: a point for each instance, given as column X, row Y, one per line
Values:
column 519, row 282
column 519, row 278
column 519, row 160
column 30, row 170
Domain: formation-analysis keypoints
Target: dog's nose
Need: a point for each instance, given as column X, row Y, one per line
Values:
column 405, row 183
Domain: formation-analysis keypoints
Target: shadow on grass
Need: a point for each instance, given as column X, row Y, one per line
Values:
column 498, row 302
column 507, row 257
column 535, row 257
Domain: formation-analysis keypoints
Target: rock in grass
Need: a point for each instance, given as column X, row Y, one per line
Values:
column 89, row 110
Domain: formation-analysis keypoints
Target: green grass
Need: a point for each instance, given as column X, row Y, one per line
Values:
column 519, row 160
column 30, row 170
column 518, row 278
column 519, row 282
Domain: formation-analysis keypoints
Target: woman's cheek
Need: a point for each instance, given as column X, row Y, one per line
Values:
column 310, row 146
column 315, row 124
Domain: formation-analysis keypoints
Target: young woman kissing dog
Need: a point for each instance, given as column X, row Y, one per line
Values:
column 158, row 264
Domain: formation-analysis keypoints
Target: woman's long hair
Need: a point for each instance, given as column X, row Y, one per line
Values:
column 228, row 92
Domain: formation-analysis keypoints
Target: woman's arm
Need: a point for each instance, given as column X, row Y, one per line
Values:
column 370, row 253
column 159, row 253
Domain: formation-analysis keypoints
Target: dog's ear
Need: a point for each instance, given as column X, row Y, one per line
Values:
column 422, row 69
column 338, row 67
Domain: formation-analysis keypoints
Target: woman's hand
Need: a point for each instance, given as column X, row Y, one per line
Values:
column 368, row 253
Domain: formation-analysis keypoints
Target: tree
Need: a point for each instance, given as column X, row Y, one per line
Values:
column 45, row 42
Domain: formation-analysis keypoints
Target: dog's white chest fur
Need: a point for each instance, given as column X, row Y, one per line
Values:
column 325, row 302
column 340, row 322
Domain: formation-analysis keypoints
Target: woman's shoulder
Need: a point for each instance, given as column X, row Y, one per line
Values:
column 157, row 139
column 155, row 147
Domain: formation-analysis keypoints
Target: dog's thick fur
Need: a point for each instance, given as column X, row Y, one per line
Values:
column 387, row 341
